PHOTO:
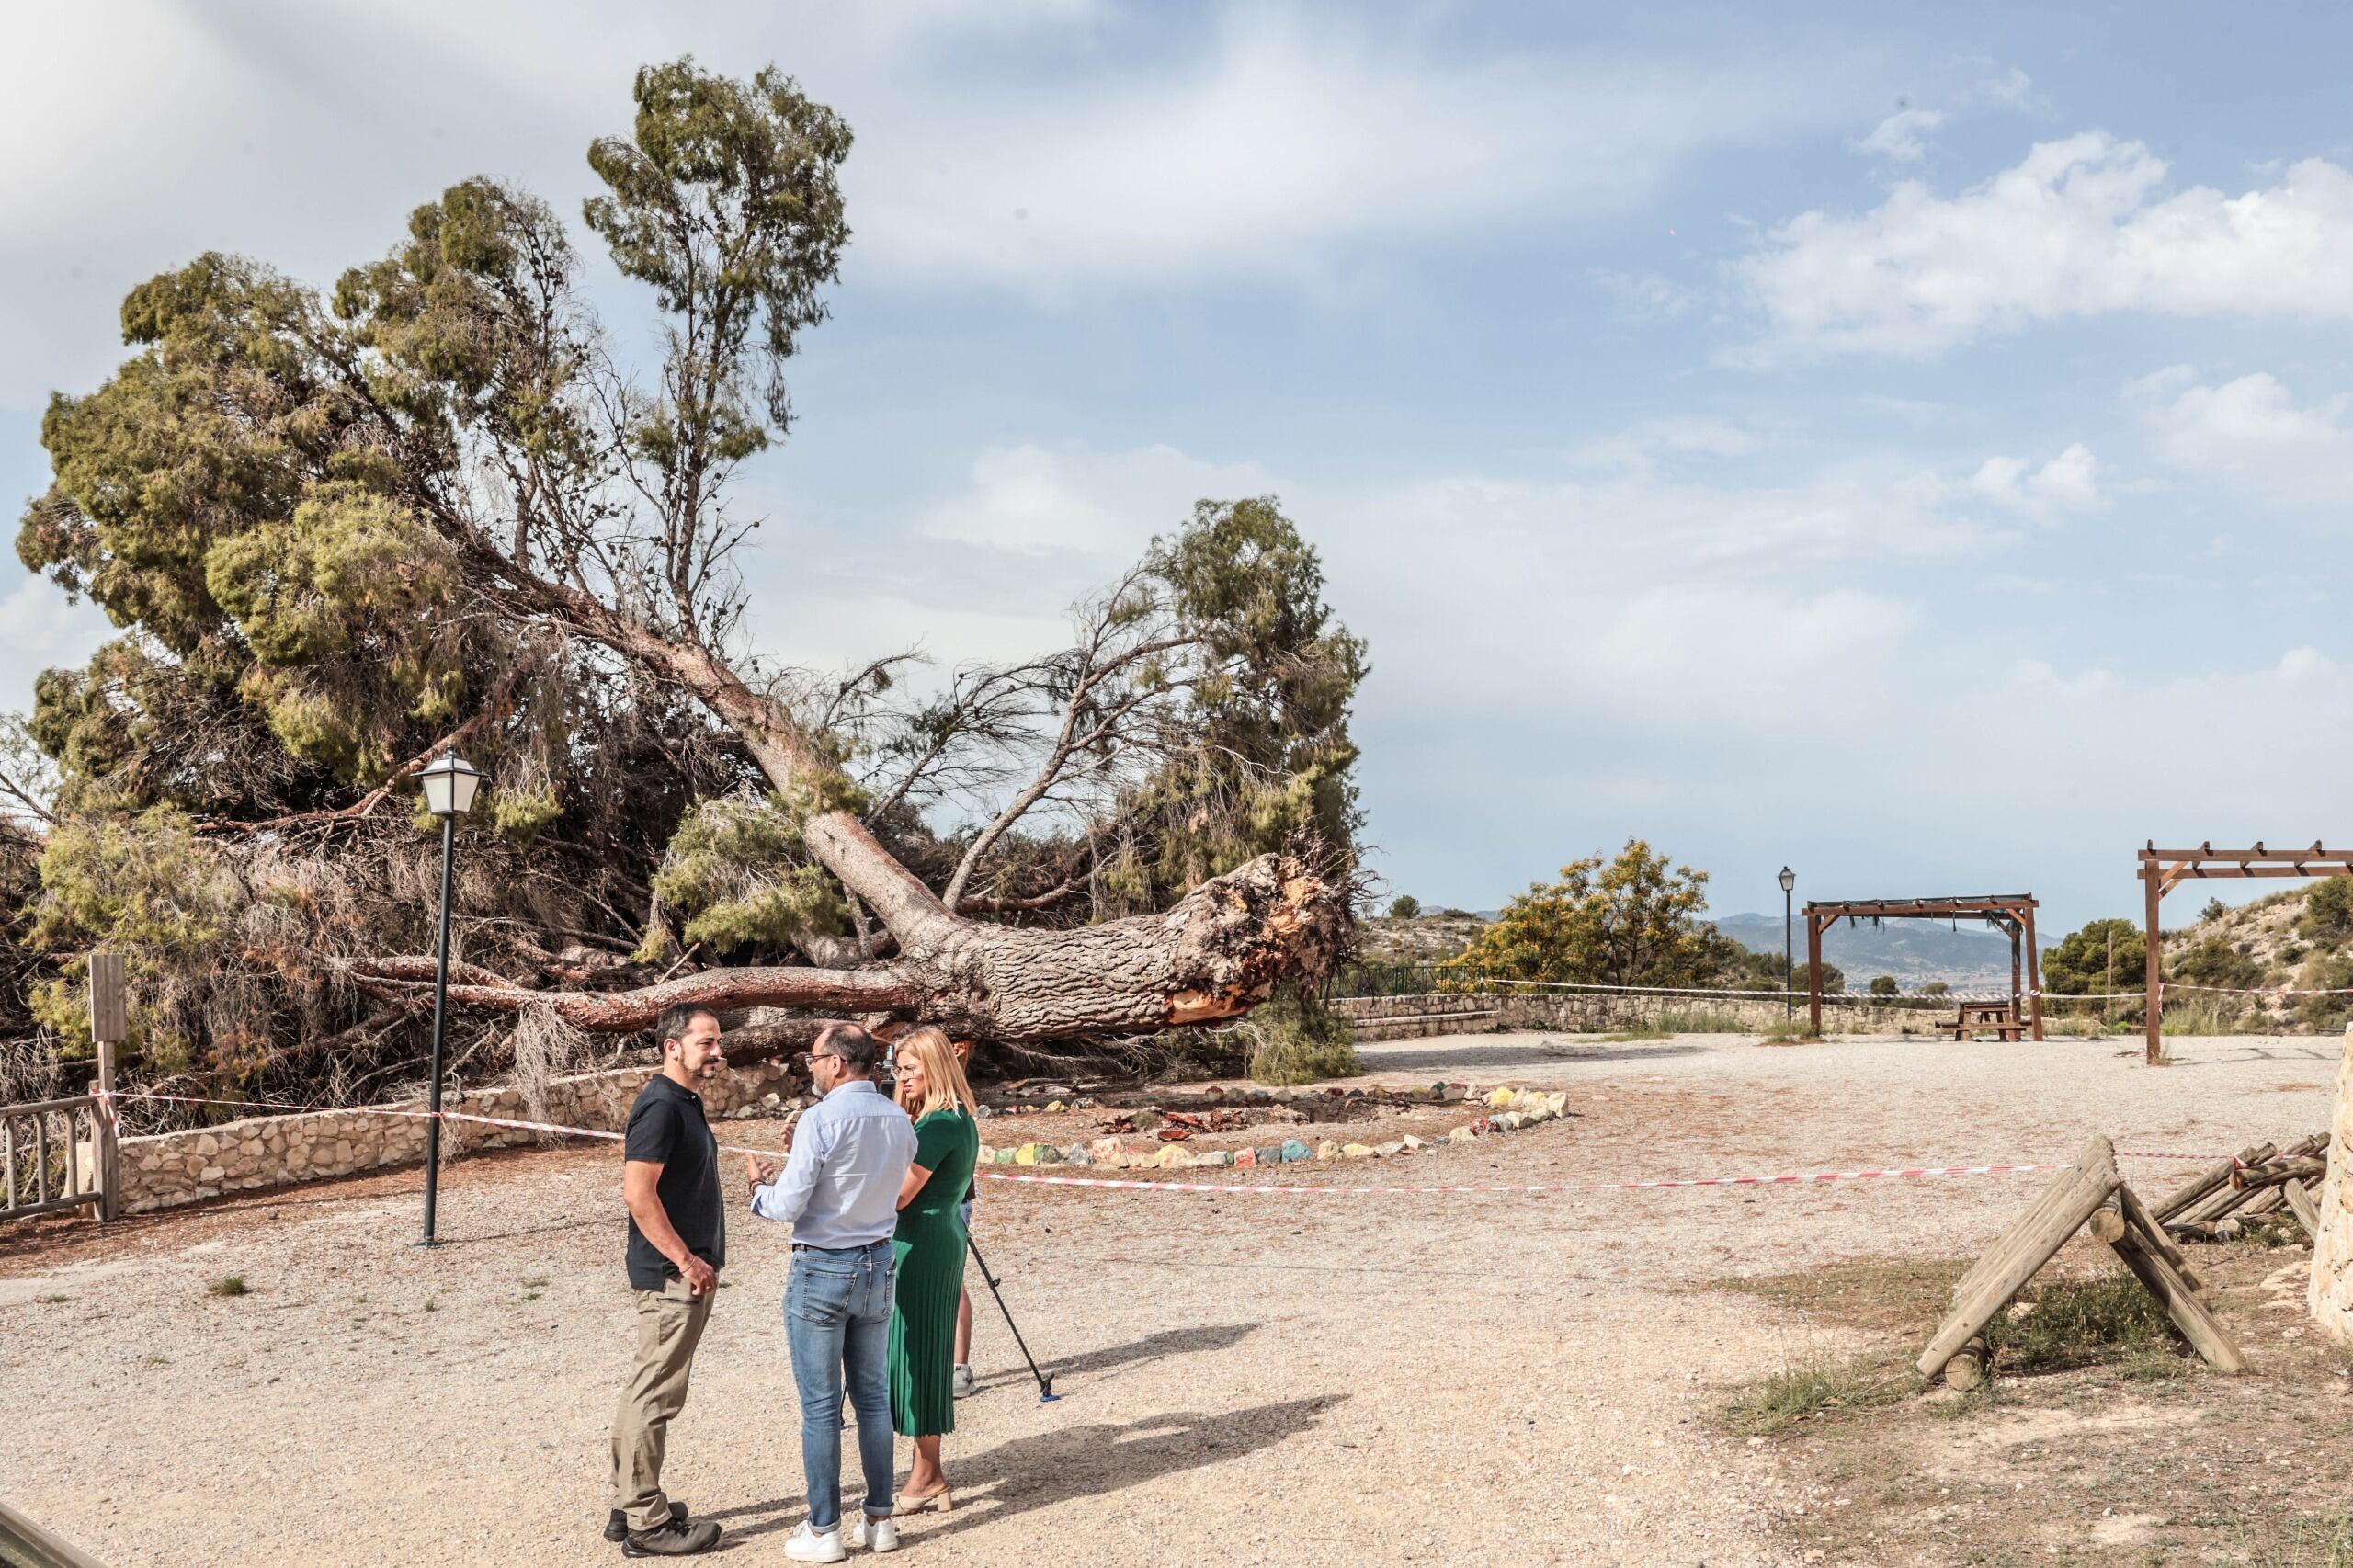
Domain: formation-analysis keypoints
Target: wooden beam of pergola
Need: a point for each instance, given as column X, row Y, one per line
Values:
column 2013, row 912
column 2162, row 870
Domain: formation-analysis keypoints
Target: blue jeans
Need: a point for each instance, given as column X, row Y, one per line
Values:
column 837, row 1321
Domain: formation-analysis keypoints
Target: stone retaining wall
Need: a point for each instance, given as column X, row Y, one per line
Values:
column 162, row 1170
column 1584, row 1011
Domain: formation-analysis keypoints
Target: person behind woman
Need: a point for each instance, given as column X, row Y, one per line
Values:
column 930, row 1250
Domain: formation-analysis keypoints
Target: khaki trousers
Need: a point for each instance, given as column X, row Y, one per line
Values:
column 669, row 1326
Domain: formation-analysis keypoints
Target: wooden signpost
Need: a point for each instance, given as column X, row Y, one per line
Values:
column 109, row 1024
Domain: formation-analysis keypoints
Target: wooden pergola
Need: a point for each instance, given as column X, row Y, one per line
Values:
column 2163, row 870
column 2012, row 912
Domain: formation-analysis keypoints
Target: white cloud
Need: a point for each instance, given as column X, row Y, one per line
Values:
column 42, row 627
column 1732, row 651
column 1280, row 153
column 2077, row 228
column 2013, row 89
column 1646, row 296
column 1640, row 446
column 2302, row 663
column 2068, row 482
column 1902, row 137
column 1034, row 500
column 2252, row 433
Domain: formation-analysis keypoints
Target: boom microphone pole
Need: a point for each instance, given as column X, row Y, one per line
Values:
column 1046, row 1394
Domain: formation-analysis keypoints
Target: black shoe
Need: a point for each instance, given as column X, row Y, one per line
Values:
column 617, row 1524
column 674, row 1540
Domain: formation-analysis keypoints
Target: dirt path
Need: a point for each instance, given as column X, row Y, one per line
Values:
column 1247, row 1378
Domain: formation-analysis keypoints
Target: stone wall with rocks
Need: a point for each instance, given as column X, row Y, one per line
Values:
column 162, row 1170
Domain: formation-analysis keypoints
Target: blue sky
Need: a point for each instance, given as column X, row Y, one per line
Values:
column 1912, row 446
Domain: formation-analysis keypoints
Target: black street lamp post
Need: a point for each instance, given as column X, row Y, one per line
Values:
column 450, row 783
column 1789, row 949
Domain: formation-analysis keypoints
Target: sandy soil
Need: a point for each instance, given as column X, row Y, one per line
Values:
column 1253, row 1378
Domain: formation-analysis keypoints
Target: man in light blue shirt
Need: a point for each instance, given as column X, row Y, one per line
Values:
column 840, row 1194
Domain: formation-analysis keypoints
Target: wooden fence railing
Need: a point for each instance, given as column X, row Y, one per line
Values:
column 56, row 1154
column 61, row 1153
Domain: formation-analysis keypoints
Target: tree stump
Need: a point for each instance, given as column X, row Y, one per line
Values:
column 2332, row 1290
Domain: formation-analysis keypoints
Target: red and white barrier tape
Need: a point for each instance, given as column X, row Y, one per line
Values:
column 1787, row 1179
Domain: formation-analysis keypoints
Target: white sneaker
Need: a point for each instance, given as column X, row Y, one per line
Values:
column 806, row 1545
column 880, row 1535
column 961, row 1381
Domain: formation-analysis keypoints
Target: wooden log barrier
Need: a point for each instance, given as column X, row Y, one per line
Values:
column 2153, row 1234
column 1969, row 1365
column 2022, row 1250
column 2146, row 1258
column 2176, row 1203
column 2301, row 1204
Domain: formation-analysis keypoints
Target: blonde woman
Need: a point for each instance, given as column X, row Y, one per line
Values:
column 930, row 1251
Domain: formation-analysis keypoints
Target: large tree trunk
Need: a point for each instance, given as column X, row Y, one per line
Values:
column 1217, row 953
column 2332, row 1288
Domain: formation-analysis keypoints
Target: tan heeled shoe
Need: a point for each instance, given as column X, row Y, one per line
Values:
column 941, row 1500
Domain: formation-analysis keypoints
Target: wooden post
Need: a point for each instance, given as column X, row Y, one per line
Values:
column 2145, row 1257
column 2176, row 1203
column 107, row 1027
column 1969, row 1364
column 2299, row 1203
column 2153, row 891
column 2033, row 975
column 2018, row 1001
column 2129, row 1202
column 1814, row 972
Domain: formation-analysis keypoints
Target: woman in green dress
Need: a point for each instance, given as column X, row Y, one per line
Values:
column 930, row 1251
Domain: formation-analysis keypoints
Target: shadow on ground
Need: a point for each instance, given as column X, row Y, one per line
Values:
column 1152, row 1348
column 1082, row 1460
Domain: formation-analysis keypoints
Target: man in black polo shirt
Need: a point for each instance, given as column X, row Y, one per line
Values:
column 678, row 1242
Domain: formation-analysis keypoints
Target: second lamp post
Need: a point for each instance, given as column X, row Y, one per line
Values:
column 1789, row 949
column 450, row 784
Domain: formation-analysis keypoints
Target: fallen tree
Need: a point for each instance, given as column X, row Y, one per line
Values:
column 350, row 534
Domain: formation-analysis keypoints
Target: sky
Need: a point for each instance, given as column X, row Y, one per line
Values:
column 1910, row 445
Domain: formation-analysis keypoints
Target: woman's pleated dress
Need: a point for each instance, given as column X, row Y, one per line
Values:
column 930, row 1251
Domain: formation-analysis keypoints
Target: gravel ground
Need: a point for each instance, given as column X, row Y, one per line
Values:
column 1250, row 1379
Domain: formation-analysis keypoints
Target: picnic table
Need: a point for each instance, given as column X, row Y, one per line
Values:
column 1998, row 1018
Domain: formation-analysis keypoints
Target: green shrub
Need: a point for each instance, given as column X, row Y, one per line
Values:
column 227, row 1285
column 1699, row 1020
column 1299, row 1040
column 1883, row 985
column 2328, row 911
column 2073, row 1323
column 2216, row 963
column 2203, row 1016
column 1812, row 1391
column 1404, row 906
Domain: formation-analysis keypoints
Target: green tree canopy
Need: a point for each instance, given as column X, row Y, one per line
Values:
column 2086, row 959
column 1631, row 920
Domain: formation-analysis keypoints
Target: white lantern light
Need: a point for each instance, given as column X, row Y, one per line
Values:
column 450, row 784
column 1789, row 879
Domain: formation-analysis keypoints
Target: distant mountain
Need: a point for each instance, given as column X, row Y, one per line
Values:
column 1914, row 951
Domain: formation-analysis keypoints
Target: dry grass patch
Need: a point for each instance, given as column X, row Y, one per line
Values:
column 2100, row 1443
